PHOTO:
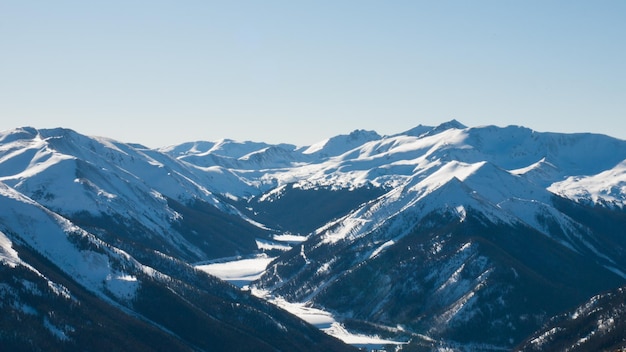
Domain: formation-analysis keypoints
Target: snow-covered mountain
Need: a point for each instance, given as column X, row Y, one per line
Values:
column 96, row 239
column 144, row 192
column 440, row 236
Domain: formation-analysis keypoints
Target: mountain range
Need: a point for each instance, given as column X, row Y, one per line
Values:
column 439, row 238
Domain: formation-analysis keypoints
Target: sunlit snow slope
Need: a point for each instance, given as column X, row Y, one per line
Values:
column 95, row 237
column 443, row 236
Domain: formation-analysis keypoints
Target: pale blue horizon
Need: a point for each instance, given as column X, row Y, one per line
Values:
column 161, row 73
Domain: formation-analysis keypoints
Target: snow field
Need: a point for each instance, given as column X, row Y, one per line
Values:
column 241, row 272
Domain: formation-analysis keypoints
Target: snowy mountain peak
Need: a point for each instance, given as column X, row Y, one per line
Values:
column 480, row 214
column 197, row 147
column 451, row 124
column 363, row 135
column 13, row 135
column 416, row 131
column 340, row 144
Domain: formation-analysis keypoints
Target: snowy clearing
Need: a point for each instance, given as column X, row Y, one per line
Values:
column 290, row 238
column 326, row 322
column 240, row 272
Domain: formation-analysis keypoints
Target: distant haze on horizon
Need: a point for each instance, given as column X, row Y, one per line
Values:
column 161, row 73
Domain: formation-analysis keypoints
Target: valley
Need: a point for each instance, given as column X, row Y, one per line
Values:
column 437, row 238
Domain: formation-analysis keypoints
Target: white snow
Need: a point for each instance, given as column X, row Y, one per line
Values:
column 508, row 174
column 317, row 317
column 8, row 255
column 381, row 248
column 240, row 272
column 49, row 234
column 289, row 238
column 325, row 321
column 55, row 331
column 366, row 341
column 608, row 186
column 123, row 286
column 462, row 212
column 545, row 337
column 269, row 245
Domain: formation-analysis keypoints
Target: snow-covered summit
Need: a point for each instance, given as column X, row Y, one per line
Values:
column 362, row 157
column 460, row 207
column 143, row 190
column 340, row 144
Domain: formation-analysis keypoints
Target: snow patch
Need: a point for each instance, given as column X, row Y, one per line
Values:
column 122, row 286
column 55, row 331
column 269, row 245
column 545, row 337
column 8, row 255
column 243, row 271
column 239, row 272
column 326, row 322
column 462, row 213
column 290, row 238
column 370, row 342
column 381, row 248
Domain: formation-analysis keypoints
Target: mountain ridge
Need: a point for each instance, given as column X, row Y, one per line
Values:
column 471, row 215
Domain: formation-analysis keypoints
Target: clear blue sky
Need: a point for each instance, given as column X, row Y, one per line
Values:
column 164, row 72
